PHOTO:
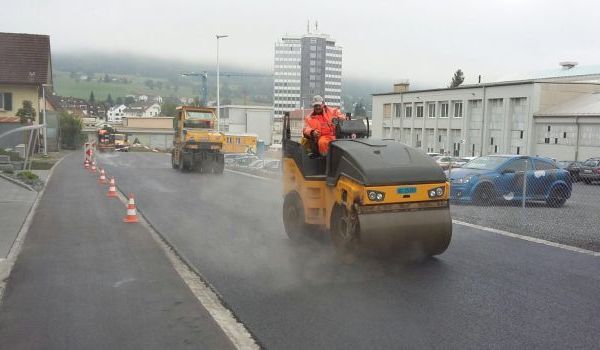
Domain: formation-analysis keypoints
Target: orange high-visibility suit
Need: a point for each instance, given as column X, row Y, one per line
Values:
column 324, row 124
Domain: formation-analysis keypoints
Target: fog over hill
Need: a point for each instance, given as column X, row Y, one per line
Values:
column 257, row 84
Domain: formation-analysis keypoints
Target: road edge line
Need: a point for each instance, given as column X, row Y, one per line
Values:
column 527, row 238
column 17, row 244
column 250, row 175
column 204, row 292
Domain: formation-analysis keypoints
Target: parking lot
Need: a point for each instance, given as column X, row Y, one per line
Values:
column 577, row 223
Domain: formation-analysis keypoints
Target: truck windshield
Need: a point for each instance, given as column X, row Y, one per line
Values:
column 198, row 120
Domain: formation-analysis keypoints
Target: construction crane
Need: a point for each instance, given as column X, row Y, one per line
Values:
column 204, row 90
column 204, row 79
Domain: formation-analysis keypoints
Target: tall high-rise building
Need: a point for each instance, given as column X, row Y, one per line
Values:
column 305, row 66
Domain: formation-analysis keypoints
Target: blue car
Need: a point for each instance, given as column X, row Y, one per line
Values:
column 488, row 179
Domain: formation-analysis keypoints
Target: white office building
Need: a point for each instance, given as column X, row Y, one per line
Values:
column 557, row 118
column 305, row 66
column 241, row 119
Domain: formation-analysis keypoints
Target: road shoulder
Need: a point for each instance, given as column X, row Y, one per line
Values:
column 85, row 279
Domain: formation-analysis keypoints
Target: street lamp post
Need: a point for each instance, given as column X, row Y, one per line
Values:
column 45, row 120
column 218, row 85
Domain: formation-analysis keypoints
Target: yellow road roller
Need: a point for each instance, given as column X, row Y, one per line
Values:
column 369, row 194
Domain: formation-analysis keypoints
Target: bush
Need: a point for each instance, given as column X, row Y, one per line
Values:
column 70, row 131
column 27, row 175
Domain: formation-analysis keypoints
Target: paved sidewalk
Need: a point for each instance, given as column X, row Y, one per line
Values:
column 86, row 280
column 15, row 203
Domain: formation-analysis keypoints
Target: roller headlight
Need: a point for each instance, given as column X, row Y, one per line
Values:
column 375, row 196
column 436, row 192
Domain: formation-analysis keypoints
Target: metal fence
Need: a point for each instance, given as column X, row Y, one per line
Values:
column 531, row 196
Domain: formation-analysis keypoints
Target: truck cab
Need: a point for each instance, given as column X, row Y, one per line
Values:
column 197, row 145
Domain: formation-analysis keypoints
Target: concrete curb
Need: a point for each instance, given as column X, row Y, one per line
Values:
column 19, row 183
column 205, row 292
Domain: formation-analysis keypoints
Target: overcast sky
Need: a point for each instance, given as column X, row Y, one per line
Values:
column 424, row 41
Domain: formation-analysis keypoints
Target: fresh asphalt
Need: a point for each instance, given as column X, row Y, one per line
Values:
column 86, row 280
column 486, row 291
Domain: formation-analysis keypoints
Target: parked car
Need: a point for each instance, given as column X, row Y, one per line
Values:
column 433, row 154
column 230, row 158
column 267, row 164
column 590, row 170
column 489, row 178
column 446, row 162
column 245, row 161
column 572, row 167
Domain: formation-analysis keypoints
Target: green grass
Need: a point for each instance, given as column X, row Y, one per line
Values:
column 64, row 85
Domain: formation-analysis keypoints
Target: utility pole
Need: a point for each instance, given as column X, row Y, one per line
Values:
column 218, row 84
column 45, row 120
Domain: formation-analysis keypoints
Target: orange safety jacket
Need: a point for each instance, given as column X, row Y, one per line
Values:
column 324, row 123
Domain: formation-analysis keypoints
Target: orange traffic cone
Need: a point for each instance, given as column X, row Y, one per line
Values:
column 93, row 169
column 131, row 211
column 86, row 164
column 112, row 188
column 102, row 179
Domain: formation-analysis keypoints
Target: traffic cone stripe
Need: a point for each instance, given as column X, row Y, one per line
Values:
column 112, row 189
column 131, row 211
column 102, row 179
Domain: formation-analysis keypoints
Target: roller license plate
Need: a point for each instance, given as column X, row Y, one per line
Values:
column 406, row 190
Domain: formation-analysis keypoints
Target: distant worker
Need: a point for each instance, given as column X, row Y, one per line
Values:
column 319, row 126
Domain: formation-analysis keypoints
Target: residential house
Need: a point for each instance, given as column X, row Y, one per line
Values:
column 142, row 110
column 79, row 106
column 25, row 66
column 116, row 113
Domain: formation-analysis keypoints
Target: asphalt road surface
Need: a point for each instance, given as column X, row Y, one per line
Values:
column 486, row 291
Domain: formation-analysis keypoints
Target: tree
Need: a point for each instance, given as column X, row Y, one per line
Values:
column 109, row 100
column 70, row 131
column 457, row 79
column 129, row 100
column 168, row 109
column 359, row 109
column 150, row 84
column 92, row 98
column 159, row 85
column 27, row 112
column 106, row 78
column 119, row 101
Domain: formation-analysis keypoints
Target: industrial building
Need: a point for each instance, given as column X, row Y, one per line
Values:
column 240, row 119
column 557, row 117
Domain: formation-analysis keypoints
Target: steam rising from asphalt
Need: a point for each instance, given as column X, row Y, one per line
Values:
column 231, row 225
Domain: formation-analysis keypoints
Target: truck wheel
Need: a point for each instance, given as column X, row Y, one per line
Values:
column 345, row 230
column 293, row 217
column 182, row 166
column 220, row 167
column 173, row 164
